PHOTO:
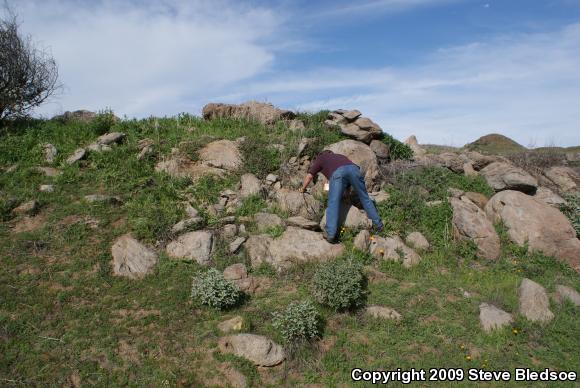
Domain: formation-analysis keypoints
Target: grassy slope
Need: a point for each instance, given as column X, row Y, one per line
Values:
column 62, row 314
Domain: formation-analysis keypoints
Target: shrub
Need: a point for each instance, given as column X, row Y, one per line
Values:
column 299, row 322
column 397, row 149
column 260, row 158
column 338, row 284
column 213, row 290
column 571, row 209
column 250, row 206
column 103, row 122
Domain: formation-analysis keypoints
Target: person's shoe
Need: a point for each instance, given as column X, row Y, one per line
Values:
column 330, row 240
column 377, row 229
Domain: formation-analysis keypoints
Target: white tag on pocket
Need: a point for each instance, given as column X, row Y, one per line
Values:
column 326, row 187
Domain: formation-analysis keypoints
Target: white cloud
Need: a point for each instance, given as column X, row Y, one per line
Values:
column 148, row 57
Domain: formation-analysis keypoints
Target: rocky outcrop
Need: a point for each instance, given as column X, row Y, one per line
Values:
column 544, row 228
column 179, row 166
column 470, row 223
column 195, row 246
column 492, row 318
column 264, row 113
column 298, row 204
column 351, row 124
column 418, row 151
column 547, row 196
column 534, row 303
column 394, row 249
column 256, row 348
column 503, row 176
column 566, row 179
column 295, row 245
column 222, row 154
column 131, row 258
column 362, row 156
column 265, row 221
column 250, row 185
column 78, row 115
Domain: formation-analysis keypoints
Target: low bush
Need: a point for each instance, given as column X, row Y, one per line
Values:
column 103, row 122
column 339, row 284
column 260, row 158
column 299, row 322
column 571, row 209
column 397, row 149
column 213, row 290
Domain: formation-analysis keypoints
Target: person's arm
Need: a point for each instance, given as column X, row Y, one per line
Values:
column 306, row 182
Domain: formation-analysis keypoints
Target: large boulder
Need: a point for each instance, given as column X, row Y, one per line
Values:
column 196, row 246
column 265, row 221
column 418, row 151
column 131, row 258
column 250, row 185
column 543, row 227
column 566, row 179
column 298, row 204
column 360, row 154
column 350, row 217
column 543, row 194
column 78, row 115
column 380, row 149
column 470, row 223
column 492, row 318
column 393, row 249
column 351, row 124
column 256, row 348
column 221, row 154
column 264, row 113
column 534, row 303
column 417, row 240
column 179, row 166
column 503, row 176
column 294, row 246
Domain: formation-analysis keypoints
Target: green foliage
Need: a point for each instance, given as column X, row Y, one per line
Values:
column 397, row 149
column 103, row 122
column 572, row 210
column 207, row 188
column 339, row 284
column 213, row 290
column 250, row 206
column 260, row 158
column 275, row 231
column 299, row 322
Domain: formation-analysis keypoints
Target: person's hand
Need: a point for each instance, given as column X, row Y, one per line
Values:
column 301, row 190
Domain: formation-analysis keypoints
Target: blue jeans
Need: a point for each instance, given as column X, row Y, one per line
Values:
column 342, row 178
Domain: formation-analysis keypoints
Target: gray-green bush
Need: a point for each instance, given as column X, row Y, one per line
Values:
column 213, row 290
column 299, row 322
column 339, row 284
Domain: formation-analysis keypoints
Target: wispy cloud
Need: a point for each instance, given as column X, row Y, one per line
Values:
column 355, row 8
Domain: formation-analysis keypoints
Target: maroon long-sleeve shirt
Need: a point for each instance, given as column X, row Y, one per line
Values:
column 327, row 163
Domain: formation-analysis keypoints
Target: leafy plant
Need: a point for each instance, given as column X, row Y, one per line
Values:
column 397, row 149
column 571, row 209
column 338, row 284
column 250, row 206
column 259, row 157
column 299, row 322
column 103, row 122
column 213, row 290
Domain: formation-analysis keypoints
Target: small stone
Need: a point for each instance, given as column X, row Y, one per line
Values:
column 296, row 125
column 233, row 324
column 236, row 244
column 30, row 207
column 303, row 223
column 109, row 138
column 228, row 220
column 196, row 246
column 144, row 143
column 433, row 203
column 50, row 152
column 191, row 211
column 49, row 171
column 417, row 241
column 456, row 193
column 534, row 303
column 351, row 115
column 383, row 312
column 568, row 293
column 79, row 154
column 379, row 196
column 242, row 229
column 185, row 224
column 250, row 185
column 272, row 178
column 131, row 258
column 46, row 188
column 492, row 317
column 101, row 198
column 98, row 147
column 236, row 272
column 256, row 348
column 362, row 240
column 229, row 231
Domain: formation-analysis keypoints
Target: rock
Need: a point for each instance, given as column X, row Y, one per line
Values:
column 250, row 185
column 547, row 196
column 534, row 303
column 470, row 223
column 362, row 156
column 479, row 199
column 179, row 166
column 144, row 153
column 46, row 188
column 221, row 154
column 185, row 224
column 233, row 377
column 49, row 171
column 492, row 317
column 236, row 244
column 265, row 221
column 131, row 258
column 394, row 249
column 418, row 151
column 544, row 228
column 433, row 203
column 110, row 138
column 78, row 115
column 468, row 169
column 381, row 312
column 263, row 113
column 101, row 198
column 301, row 222
column 452, row 161
column 229, row 231
column 50, row 152
column 228, row 220
column 144, row 143
column 362, row 240
column 351, row 115
column 502, row 176
column 232, row 324
column 271, row 178
column 566, row 179
column 79, row 154
column 191, row 211
column 304, row 142
column 97, row 147
column 256, row 348
column 479, row 161
column 295, row 203
column 355, row 132
column 349, row 217
column 569, row 293
column 380, row 149
column 455, row 193
column 296, row 125
column 196, row 246
column 379, row 196
column 417, row 240
column 236, row 272
column 29, row 208
column 295, row 245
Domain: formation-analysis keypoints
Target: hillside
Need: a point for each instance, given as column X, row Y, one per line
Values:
column 495, row 144
column 105, row 223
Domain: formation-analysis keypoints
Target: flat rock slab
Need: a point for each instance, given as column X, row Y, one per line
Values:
column 383, row 312
column 131, row 258
column 492, row 318
column 79, row 154
column 195, row 246
column 304, row 223
column 221, row 154
column 256, row 348
column 235, row 245
column 534, row 303
column 110, row 138
column 179, row 166
column 543, row 227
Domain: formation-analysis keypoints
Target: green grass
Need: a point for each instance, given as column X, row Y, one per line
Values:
column 63, row 315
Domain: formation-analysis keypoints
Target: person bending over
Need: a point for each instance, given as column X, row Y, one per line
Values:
column 341, row 173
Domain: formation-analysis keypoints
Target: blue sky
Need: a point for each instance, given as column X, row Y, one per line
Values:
column 448, row 71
